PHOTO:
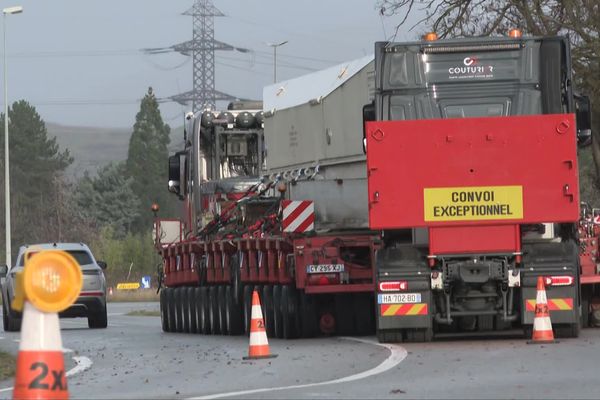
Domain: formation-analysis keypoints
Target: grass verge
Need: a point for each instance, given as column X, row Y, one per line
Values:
column 144, row 313
column 7, row 365
column 133, row 295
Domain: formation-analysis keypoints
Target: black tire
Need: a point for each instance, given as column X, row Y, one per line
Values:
column 171, row 310
column 485, row 323
column 364, row 323
column 178, row 310
column 185, row 309
column 233, row 313
column 193, row 306
column 419, row 335
column 267, row 307
column 344, row 314
column 389, row 336
column 98, row 320
column 289, row 312
column 277, row 316
column 567, row 330
column 4, row 315
column 585, row 313
column 222, row 310
column 164, row 317
column 237, row 287
column 309, row 324
column 213, row 311
column 203, row 311
column 247, row 304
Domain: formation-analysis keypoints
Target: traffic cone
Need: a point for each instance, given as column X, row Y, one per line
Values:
column 110, row 291
column 542, row 326
column 259, row 344
column 40, row 363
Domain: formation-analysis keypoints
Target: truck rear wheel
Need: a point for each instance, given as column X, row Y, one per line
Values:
column 277, row 316
column 344, row 314
column 233, row 313
column 164, row 318
column 289, row 312
column 213, row 311
column 247, row 304
column 178, row 310
column 389, row 336
column 308, row 315
column 203, row 306
column 193, row 305
column 363, row 314
column 419, row 335
column 222, row 310
column 267, row 306
column 171, row 309
column 185, row 309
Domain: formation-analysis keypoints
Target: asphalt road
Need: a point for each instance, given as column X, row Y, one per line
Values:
column 133, row 358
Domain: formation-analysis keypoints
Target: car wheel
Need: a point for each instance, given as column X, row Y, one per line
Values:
column 11, row 323
column 98, row 320
column 4, row 315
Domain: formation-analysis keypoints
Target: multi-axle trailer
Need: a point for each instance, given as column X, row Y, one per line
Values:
column 418, row 193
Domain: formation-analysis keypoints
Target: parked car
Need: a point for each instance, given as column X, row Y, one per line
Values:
column 91, row 302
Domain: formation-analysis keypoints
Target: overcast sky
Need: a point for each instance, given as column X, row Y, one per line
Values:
column 79, row 62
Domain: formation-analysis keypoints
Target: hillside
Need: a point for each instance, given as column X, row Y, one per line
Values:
column 94, row 147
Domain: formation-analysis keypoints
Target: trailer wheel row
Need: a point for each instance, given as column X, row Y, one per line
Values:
column 288, row 313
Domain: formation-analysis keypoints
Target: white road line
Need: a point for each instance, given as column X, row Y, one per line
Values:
column 83, row 364
column 397, row 355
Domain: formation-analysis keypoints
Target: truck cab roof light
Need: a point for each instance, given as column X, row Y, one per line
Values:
column 430, row 37
column 515, row 33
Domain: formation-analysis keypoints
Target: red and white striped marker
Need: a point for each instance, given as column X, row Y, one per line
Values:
column 259, row 344
column 298, row 216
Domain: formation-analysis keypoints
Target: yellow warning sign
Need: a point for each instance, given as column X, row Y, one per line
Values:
column 128, row 286
column 473, row 203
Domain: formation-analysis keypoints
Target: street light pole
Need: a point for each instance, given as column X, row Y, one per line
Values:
column 5, row 12
column 275, row 46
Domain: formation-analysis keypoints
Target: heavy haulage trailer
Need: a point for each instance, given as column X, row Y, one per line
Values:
column 419, row 193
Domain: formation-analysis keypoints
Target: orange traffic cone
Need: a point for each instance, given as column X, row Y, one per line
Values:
column 542, row 326
column 110, row 291
column 259, row 344
column 40, row 363
column 49, row 283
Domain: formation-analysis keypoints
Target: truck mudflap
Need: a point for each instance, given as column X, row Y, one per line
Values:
column 562, row 302
column 404, row 297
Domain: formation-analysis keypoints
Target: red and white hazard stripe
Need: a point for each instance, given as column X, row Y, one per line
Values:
column 298, row 216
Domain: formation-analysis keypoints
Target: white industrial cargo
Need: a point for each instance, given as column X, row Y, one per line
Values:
column 315, row 121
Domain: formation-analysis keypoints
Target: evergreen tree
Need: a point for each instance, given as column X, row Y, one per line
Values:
column 147, row 161
column 38, row 189
column 108, row 198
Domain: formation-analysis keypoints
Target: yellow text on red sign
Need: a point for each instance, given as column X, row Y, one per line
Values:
column 473, row 203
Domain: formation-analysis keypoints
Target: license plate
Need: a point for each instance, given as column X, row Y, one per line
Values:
column 398, row 298
column 324, row 268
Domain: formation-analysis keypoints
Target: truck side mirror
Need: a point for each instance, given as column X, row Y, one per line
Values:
column 175, row 173
column 101, row 264
column 583, row 114
column 368, row 115
column 3, row 271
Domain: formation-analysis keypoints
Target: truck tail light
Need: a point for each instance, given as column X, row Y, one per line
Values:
column 393, row 286
column 323, row 279
column 563, row 280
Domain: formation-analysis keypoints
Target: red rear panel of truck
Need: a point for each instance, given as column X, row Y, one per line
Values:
column 472, row 181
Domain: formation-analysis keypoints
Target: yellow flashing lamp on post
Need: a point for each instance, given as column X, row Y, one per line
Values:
column 51, row 281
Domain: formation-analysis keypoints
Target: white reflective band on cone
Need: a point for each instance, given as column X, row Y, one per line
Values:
column 256, row 312
column 39, row 330
column 258, row 339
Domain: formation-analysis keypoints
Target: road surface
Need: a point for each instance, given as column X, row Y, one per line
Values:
column 133, row 358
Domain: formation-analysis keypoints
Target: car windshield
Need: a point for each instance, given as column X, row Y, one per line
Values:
column 81, row 256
